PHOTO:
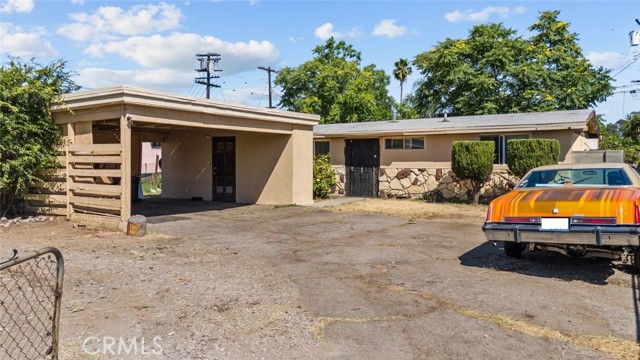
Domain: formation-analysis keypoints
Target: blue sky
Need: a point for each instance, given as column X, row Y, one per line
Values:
column 153, row 44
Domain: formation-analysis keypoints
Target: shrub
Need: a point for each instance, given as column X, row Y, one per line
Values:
column 526, row 154
column 473, row 161
column 324, row 176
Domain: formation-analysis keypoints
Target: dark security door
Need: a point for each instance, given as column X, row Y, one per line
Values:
column 224, row 169
column 362, row 160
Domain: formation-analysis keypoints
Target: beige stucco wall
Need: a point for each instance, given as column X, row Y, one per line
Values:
column 569, row 141
column 186, row 161
column 437, row 152
column 271, row 169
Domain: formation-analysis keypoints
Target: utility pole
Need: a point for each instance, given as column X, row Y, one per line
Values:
column 269, row 70
column 208, row 64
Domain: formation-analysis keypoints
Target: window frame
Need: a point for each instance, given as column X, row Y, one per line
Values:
column 315, row 147
column 406, row 145
column 501, row 144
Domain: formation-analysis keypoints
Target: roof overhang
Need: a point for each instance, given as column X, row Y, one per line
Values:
column 174, row 110
column 577, row 126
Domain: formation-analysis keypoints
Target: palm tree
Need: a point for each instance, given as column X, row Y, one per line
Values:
column 402, row 72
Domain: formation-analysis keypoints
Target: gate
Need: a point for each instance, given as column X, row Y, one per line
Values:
column 30, row 296
column 362, row 161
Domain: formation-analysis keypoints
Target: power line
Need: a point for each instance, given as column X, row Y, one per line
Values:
column 269, row 70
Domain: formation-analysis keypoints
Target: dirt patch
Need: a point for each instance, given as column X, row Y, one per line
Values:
column 308, row 283
column 416, row 209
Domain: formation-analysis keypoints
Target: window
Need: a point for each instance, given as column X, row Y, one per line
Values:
column 322, row 148
column 416, row 143
column 500, row 151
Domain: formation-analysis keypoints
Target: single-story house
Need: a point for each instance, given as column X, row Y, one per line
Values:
column 210, row 150
column 404, row 158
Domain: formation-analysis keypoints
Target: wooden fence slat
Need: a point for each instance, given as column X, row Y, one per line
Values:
column 47, row 198
column 54, row 186
column 97, row 189
column 95, row 172
column 108, row 159
column 114, row 149
column 46, row 210
column 99, row 203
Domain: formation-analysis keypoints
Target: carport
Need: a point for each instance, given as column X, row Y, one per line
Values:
column 211, row 150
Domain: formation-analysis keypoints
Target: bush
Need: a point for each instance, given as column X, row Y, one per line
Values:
column 473, row 161
column 324, row 176
column 526, row 154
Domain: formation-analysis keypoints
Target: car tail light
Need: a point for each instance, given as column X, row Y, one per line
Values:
column 523, row 219
column 489, row 213
column 593, row 221
column 637, row 214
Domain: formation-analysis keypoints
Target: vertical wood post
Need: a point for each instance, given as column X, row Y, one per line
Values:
column 125, row 181
column 68, row 141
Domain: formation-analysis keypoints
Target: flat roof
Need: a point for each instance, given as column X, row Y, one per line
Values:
column 125, row 95
column 533, row 121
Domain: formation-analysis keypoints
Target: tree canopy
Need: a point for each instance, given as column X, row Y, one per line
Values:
column 623, row 135
column 336, row 86
column 496, row 71
column 28, row 135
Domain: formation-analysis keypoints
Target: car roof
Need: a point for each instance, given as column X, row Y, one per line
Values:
column 635, row 179
column 583, row 166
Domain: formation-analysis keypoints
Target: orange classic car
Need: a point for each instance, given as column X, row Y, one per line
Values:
column 582, row 210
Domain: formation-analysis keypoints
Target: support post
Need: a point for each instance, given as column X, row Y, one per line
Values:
column 125, row 168
column 68, row 141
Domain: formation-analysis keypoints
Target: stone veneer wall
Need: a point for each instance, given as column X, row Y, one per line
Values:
column 431, row 184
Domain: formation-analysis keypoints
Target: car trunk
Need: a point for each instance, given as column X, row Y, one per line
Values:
column 572, row 201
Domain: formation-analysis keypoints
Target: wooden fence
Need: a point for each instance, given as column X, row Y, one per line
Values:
column 88, row 181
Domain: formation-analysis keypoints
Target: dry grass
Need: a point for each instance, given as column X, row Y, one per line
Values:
column 618, row 348
column 416, row 209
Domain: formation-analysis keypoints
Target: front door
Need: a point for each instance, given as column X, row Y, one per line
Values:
column 224, row 169
column 362, row 161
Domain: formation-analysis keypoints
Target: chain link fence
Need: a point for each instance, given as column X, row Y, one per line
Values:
column 30, row 295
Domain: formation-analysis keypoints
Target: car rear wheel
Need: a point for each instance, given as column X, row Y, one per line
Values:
column 513, row 250
column 636, row 258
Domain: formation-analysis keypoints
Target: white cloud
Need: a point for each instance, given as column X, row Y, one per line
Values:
column 388, row 28
column 9, row 6
column 107, row 22
column 77, row 2
column 93, row 78
column 295, row 40
column 325, row 31
column 483, row 15
column 17, row 41
column 152, row 51
column 610, row 60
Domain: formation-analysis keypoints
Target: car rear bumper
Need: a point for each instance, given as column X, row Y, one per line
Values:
column 577, row 235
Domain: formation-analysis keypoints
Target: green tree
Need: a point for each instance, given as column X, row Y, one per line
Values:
column 622, row 135
column 469, row 76
column 496, row 71
column 28, row 135
column 555, row 74
column 335, row 86
column 473, row 161
column 405, row 111
column 401, row 72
